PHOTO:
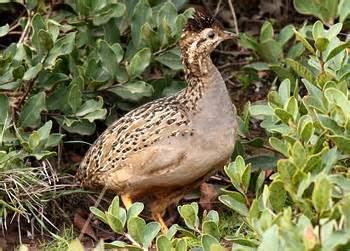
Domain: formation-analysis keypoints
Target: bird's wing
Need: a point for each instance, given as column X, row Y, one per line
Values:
column 136, row 131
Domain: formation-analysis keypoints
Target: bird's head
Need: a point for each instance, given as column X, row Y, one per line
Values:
column 201, row 36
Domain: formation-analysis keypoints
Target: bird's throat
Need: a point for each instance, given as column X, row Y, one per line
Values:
column 197, row 71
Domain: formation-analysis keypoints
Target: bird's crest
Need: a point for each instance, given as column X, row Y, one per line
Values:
column 199, row 21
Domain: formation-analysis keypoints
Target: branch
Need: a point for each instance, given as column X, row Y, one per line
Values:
column 234, row 16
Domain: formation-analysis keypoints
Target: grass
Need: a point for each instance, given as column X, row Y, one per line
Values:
column 60, row 242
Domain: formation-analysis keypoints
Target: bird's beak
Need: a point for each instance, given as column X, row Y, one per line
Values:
column 229, row 35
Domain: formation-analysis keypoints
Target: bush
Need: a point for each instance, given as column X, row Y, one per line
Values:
column 67, row 65
column 56, row 79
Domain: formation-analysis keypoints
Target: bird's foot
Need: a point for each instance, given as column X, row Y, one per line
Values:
column 127, row 200
column 163, row 227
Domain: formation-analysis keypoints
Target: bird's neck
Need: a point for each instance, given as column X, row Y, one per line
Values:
column 197, row 72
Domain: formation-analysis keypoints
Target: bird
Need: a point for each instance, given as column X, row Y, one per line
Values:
column 161, row 150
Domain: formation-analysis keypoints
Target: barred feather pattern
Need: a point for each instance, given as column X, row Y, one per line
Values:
column 137, row 130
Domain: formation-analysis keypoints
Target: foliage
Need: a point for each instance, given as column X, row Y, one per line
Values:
column 56, row 77
column 57, row 81
column 326, row 10
column 142, row 235
column 304, row 205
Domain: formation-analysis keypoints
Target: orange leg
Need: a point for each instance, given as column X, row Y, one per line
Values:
column 163, row 227
column 127, row 200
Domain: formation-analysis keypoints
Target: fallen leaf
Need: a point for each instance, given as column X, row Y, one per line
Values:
column 208, row 196
column 80, row 223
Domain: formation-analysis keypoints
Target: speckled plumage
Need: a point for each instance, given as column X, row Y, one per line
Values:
column 165, row 147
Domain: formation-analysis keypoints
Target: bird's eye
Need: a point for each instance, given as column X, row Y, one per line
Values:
column 211, row 34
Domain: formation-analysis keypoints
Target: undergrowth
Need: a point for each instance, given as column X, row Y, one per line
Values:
column 68, row 69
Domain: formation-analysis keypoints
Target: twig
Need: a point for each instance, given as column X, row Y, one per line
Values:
column 234, row 16
column 217, row 8
column 128, row 236
column 87, row 222
column 59, row 150
column 26, row 29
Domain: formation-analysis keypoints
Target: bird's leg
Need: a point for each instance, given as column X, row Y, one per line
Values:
column 127, row 200
column 163, row 227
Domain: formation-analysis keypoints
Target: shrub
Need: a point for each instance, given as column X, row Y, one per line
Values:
column 56, row 77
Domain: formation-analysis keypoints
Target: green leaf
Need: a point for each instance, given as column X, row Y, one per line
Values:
column 151, row 231
column 328, row 123
column 306, row 44
column 115, row 224
column 246, row 178
column 321, row 44
column 31, row 112
column 181, row 245
column 342, row 142
column 338, row 49
column 82, row 127
column 270, row 50
column 284, row 91
column 213, row 216
column 269, row 241
column 110, row 56
column 248, row 42
column 279, row 145
column 321, row 194
column 211, row 228
column 32, row 72
column 171, row 59
column 4, row 30
column 299, row 154
column 63, row 46
column 53, row 140
column 113, row 208
column 277, row 196
column 89, row 106
column 45, row 42
column 115, row 245
column 133, row 91
column 135, row 209
column 34, row 141
column 99, row 214
column 317, row 30
column 262, row 162
column 235, row 202
column 163, row 243
column 4, row 109
column 343, row 10
column 150, row 37
column 99, row 114
column 283, row 115
column 208, row 242
column 325, row 10
column 300, row 69
column 44, row 131
column 306, row 128
column 113, row 10
column 139, row 62
column 286, row 34
column 142, row 14
column 292, row 107
column 235, row 171
column 266, row 32
column 136, row 228
column 74, row 95
column 338, row 97
column 256, row 110
column 189, row 214
column 18, row 72
column 75, row 245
